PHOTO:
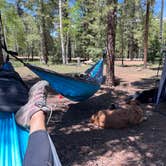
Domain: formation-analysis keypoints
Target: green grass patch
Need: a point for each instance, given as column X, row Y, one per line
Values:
column 69, row 68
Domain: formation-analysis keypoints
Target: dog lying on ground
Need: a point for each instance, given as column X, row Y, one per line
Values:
column 131, row 113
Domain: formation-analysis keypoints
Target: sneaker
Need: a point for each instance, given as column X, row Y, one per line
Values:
column 36, row 102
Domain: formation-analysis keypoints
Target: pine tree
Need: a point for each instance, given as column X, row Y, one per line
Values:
column 111, row 33
column 43, row 33
column 146, row 30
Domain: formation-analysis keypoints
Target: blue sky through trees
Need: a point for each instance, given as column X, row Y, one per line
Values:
column 157, row 5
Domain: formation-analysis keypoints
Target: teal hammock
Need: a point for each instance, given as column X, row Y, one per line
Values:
column 73, row 88
column 13, row 141
column 13, row 138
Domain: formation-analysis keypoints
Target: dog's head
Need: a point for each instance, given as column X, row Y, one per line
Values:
column 98, row 119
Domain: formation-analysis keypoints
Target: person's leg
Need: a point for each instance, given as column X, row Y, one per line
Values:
column 39, row 151
column 32, row 115
column 37, row 122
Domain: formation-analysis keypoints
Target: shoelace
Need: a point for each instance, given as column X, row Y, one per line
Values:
column 50, row 106
column 46, row 108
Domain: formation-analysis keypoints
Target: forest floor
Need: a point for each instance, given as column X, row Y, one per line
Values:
column 80, row 143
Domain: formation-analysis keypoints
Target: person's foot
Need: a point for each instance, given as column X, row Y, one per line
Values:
column 36, row 102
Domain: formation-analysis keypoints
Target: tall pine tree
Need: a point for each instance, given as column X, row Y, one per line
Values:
column 111, row 34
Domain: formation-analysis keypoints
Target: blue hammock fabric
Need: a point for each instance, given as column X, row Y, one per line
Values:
column 13, row 139
column 76, row 89
column 95, row 73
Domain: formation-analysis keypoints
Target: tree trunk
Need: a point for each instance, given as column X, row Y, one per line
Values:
column 1, row 55
column 131, row 47
column 32, row 51
column 111, row 26
column 69, row 49
column 44, row 50
column 1, row 37
column 61, row 33
column 122, row 35
column 146, row 32
column 122, row 49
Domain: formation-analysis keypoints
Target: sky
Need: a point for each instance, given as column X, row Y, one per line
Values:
column 157, row 6
column 156, row 9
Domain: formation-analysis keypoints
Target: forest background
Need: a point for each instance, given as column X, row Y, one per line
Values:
column 58, row 31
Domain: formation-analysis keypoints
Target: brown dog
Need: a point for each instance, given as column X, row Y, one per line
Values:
column 131, row 113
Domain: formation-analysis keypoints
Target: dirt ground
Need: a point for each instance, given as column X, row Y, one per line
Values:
column 80, row 143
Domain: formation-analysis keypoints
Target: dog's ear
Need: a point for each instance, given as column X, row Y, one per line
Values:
column 92, row 119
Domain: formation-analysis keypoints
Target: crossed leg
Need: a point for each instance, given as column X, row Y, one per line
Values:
column 39, row 151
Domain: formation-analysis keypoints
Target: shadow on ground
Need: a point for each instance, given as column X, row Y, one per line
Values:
column 79, row 143
column 146, row 83
column 78, row 112
column 136, row 65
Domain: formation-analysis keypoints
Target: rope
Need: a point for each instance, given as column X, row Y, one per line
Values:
column 13, row 54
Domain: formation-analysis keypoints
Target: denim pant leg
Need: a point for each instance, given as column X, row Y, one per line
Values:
column 38, row 151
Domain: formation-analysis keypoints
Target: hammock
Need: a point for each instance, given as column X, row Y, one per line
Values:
column 14, row 139
column 76, row 89
column 73, row 88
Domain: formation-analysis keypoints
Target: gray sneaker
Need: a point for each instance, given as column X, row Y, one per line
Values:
column 36, row 102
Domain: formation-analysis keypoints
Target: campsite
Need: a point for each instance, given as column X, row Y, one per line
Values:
column 82, row 83
column 78, row 142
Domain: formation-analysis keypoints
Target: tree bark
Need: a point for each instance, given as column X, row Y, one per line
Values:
column 1, row 37
column 1, row 53
column 122, row 49
column 69, row 49
column 122, row 34
column 44, row 49
column 146, row 32
column 61, row 33
column 111, row 26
